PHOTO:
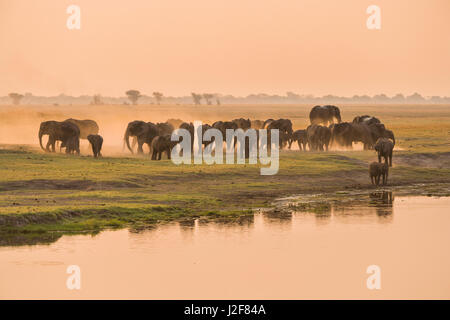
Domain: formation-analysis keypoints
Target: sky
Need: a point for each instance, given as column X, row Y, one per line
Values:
column 233, row 47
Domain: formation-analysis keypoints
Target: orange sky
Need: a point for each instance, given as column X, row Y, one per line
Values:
column 234, row 46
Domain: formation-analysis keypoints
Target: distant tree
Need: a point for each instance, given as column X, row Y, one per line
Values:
column 416, row 97
column 15, row 97
column 197, row 98
column 218, row 101
column 133, row 95
column 208, row 97
column 158, row 97
column 97, row 100
column 398, row 98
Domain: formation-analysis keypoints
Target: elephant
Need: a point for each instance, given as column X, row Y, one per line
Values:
column 301, row 137
column 384, row 147
column 145, row 132
column 267, row 122
column 86, row 127
column 341, row 134
column 96, row 142
column 284, row 127
column 176, row 123
column 377, row 130
column 242, row 123
column 162, row 144
column 377, row 170
column 362, row 133
column 165, row 128
column 389, row 135
column 66, row 132
column 318, row 137
column 72, row 145
column 222, row 126
column 190, row 127
column 324, row 114
column 257, row 124
column 366, row 119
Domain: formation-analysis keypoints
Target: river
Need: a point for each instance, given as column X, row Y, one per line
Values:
column 292, row 256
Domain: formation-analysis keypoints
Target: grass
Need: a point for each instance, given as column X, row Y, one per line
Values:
column 54, row 193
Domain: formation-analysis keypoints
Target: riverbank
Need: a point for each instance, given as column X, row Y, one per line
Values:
column 53, row 193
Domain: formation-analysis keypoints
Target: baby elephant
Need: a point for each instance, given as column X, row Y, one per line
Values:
column 96, row 143
column 377, row 170
column 162, row 144
column 384, row 147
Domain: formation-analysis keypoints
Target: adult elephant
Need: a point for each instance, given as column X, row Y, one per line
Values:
column 384, row 148
column 267, row 122
column 341, row 134
column 144, row 132
column 257, row 124
column 66, row 132
column 318, row 137
column 324, row 115
column 366, row 119
column 389, row 135
column 242, row 123
column 284, row 127
column 222, row 126
column 190, row 128
column 165, row 128
column 176, row 123
column 362, row 133
column 87, row 127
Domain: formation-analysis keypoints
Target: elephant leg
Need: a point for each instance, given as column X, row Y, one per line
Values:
column 159, row 155
column 168, row 154
column 390, row 160
column 47, row 147
column 299, row 145
column 371, row 179
column 379, row 158
column 140, row 144
column 154, row 155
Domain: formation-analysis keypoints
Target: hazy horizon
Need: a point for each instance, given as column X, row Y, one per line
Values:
column 236, row 47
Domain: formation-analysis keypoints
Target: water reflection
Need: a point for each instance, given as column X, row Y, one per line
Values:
column 322, row 252
column 363, row 208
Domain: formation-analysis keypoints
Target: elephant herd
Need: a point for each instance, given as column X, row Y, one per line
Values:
column 326, row 129
column 68, row 133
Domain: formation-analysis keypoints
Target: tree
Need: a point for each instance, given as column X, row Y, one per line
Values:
column 158, row 97
column 208, row 97
column 133, row 95
column 197, row 98
column 15, row 97
column 97, row 100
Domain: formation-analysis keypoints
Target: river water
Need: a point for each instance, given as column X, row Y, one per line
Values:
column 290, row 256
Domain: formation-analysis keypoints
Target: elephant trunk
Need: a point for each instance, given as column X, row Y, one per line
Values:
column 127, row 139
column 338, row 116
column 41, row 133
